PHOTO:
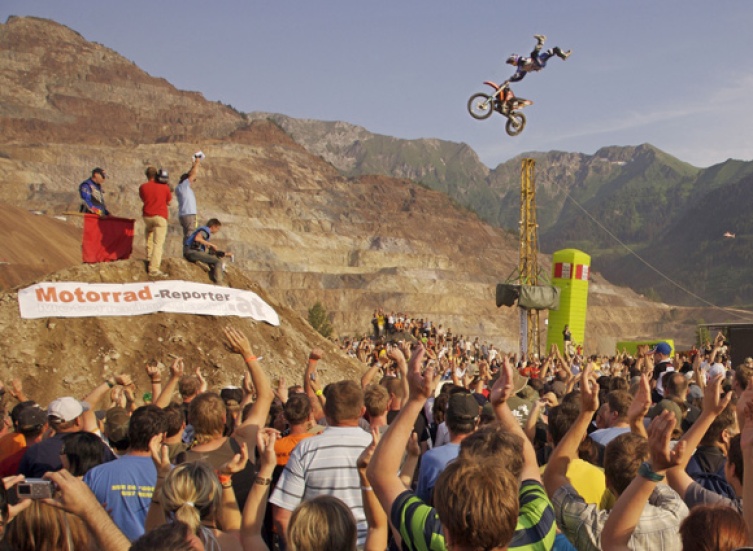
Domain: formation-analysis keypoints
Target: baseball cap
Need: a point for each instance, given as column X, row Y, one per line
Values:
column 662, row 348
column 66, row 409
column 18, row 408
column 716, row 369
column 100, row 171
column 31, row 417
column 462, row 407
column 695, row 392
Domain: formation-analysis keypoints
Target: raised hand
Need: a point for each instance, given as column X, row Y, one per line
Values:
column 265, row 443
column 641, row 401
column 503, row 386
column 237, row 342
column 368, row 452
column 282, row 390
column 177, row 368
column 420, row 387
column 152, row 369
column 160, row 455
column 237, row 463
column 659, row 435
column 589, row 390
column 713, row 401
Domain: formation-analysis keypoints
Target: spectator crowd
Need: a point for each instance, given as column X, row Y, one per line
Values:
column 444, row 443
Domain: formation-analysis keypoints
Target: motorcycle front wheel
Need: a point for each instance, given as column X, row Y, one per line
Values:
column 516, row 122
column 480, row 106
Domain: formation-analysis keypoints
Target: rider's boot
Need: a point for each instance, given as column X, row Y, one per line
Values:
column 540, row 38
column 559, row 53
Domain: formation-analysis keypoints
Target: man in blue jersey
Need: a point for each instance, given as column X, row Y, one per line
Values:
column 537, row 61
column 92, row 196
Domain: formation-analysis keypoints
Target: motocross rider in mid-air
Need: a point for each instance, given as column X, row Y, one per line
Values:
column 537, row 61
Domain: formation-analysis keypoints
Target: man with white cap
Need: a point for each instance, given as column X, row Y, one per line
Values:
column 64, row 416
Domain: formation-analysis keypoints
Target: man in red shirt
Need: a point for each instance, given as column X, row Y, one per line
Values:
column 156, row 197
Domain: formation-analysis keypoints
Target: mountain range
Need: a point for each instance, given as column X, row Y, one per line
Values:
column 615, row 204
column 318, row 211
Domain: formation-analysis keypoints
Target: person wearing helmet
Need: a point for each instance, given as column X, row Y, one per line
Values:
column 537, row 61
column 156, row 196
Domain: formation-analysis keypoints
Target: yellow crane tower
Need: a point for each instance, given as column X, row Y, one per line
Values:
column 528, row 266
column 526, row 287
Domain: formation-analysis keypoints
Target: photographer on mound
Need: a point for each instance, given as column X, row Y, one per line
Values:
column 197, row 248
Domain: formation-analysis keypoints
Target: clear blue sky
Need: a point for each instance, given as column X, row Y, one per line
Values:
column 676, row 74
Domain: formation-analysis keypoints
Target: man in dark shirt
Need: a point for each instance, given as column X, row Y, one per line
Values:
column 65, row 417
column 92, row 196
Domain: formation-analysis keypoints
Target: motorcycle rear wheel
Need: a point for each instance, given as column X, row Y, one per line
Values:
column 516, row 122
column 480, row 106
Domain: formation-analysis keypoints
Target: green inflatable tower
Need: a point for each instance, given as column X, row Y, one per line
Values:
column 570, row 271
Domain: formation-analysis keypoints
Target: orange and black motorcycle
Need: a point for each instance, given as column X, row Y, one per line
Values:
column 503, row 101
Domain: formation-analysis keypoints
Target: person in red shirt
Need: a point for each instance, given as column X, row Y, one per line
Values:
column 156, row 197
column 531, row 370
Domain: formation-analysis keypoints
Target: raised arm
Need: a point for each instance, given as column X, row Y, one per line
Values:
column 229, row 516
column 627, row 510
column 384, row 466
column 176, row 372
column 396, row 355
column 498, row 396
column 555, row 475
column 713, row 405
column 411, row 461
column 155, row 516
column 546, row 366
column 96, row 395
column 376, row 539
column 155, row 378
column 99, row 391
column 639, row 407
column 194, row 168
column 253, row 511
column 238, row 343
column 533, row 419
column 309, row 375
column 203, row 386
column 369, row 374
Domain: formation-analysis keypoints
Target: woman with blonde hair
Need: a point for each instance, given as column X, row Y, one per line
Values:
column 323, row 523
column 193, row 494
column 42, row 527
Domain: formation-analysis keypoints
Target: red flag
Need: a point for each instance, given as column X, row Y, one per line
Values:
column 106, row 239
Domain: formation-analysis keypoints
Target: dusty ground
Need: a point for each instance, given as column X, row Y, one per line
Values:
column 69, row 356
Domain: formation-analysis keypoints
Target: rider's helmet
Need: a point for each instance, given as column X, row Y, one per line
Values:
column 513, row 59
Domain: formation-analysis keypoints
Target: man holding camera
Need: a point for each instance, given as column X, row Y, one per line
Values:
column 186, row 197
column 197, row 248
column 156, row 197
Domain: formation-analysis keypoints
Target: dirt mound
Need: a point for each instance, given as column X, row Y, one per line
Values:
column 28, row 252
column 69, row 356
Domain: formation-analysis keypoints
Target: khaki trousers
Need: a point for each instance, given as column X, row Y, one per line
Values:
column 156, row 231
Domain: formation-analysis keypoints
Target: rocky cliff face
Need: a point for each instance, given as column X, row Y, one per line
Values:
column 301, row 229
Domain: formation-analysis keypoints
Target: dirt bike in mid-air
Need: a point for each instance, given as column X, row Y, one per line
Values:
column 503, row 101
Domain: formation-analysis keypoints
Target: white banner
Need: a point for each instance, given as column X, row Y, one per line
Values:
column 79, row 300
